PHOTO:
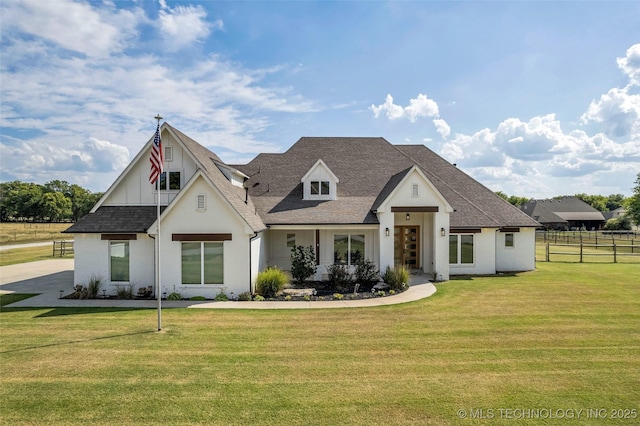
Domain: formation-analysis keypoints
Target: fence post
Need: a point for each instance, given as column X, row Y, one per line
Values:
column 615, row 254
column 581, row 249
column 547, row 252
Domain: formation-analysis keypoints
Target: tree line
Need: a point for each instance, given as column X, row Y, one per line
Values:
column 55, row 201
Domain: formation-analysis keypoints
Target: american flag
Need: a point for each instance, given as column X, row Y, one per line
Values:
column 156, row 159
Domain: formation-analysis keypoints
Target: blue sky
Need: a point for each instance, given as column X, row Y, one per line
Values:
column 535, row 99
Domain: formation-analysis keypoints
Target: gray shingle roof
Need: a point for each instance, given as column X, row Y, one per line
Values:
column 116, row 219
column 368, row 169
column 561, row 210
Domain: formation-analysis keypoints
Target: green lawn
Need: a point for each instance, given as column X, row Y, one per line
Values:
column 28, row 254
column 565, row 337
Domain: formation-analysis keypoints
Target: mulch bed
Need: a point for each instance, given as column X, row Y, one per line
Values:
column 324, row 291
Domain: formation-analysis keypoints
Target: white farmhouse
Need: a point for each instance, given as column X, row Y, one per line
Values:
column 348, row 198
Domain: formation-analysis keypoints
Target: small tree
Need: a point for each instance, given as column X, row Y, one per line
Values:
column 366, row 274
column 618, row 224
column 303, row 263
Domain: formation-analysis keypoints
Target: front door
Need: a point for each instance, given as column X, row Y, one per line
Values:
column 407, row 246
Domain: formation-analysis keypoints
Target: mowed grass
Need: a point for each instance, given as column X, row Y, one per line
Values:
column 565, row 337
column 29, row 254
column 20, row 232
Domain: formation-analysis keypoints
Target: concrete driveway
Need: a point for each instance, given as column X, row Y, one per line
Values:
column 42, row 277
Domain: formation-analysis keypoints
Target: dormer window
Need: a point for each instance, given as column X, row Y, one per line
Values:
column 320, row 187
column 319, row 183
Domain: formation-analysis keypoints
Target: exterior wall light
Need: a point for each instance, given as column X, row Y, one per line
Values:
column 408, row 216
column 386, row 232
column 443, row 232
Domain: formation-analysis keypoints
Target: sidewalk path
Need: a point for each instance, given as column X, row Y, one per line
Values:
column 48, row 277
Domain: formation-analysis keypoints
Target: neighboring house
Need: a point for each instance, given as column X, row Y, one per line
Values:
column 615, row 214
column 565, row 213
column 348, row 198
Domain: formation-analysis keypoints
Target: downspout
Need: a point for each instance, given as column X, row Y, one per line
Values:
column 255, row 235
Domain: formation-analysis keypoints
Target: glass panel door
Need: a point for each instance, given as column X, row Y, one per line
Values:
column 407, row 246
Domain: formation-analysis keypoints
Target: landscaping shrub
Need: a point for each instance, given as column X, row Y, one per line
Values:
column 174, row 296
column 258, row 298
column 197, row 298
column 367, row 275
column 340, row 278
column 221, row 298
column 271, row 281
column 303, row 263
column 244, row 297
column 93, row 287
column 397, row 277
column 124, row 292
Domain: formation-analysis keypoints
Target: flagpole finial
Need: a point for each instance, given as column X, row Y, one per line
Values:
column 158, row 117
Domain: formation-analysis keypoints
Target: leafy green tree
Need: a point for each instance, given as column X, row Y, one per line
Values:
column 54, row 207
column 513, row 199
column 598, row 202
column 618, row 224
column 61, row 186
column 21, row 200
column 82, row 200
column 303, row 263
column 615, row 201
column 632, row 204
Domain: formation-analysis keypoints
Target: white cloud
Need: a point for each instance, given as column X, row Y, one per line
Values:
column 182, row 25
column 630, row 64
column 618, row 111
column 421, row 106
column 442, row 127
column 35, row 160
column 72, row 25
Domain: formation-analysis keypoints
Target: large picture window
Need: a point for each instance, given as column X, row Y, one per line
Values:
column 460, row 249
column 119, row 261
column 202, row 263
column 348, row 249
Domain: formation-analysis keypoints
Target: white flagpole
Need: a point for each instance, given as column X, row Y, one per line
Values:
column 158, row 287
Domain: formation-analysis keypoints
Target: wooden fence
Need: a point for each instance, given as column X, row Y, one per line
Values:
column 62, row 247
column 606, row 252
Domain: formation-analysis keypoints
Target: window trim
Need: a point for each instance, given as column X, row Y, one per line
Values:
column 202, row 263
column 319, row 186
column 349, row 236
column 513, row 240
column 167, row 182
column 458, row 237
column 128, row 256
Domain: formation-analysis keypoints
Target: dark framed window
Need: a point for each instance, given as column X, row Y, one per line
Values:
column 202, row 263
column 348, row 249
column 320, row 187
column 508, row 239
column 174, row 181
column 460, row 249
column 119, row 261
